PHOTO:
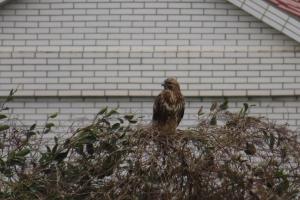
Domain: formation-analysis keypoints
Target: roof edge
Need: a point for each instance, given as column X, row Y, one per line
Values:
column 3, row 2
column 271, row 16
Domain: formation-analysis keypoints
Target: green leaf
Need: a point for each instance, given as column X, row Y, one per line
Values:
column 61, row 156
column 112, row 112
column 53, row 151
column 2, row 116
column 49, row 125
column 47, row 130
column 32, row 127
column 52, row 116
column 86, row 137
column 129, row 117
column 246, row 107
column 133, row 121
column 213, row 106
column 213, row 120
column 30, row 133
column 11, row 93
column 121, row 120
column 102, row 111
column 9, row 98
column 48, row 149
column 200, row 111
column 79, row 149
column 244, row 110
column 4, row 127
column 105, row 121
column 115, row 126
column 56, row 140
column 23, row 153
column 224, row 105
column 5, row 108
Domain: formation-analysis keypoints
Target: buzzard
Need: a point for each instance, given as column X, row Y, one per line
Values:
column 168, row 108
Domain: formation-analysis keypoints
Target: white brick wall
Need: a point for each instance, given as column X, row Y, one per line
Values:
column 200, row 70
column 70, row 47
column 66, row 52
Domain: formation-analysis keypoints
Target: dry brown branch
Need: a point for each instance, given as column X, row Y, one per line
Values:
column 227, row 156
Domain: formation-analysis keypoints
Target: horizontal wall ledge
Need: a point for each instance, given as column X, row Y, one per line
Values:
column 17, row 49
column 152, row 93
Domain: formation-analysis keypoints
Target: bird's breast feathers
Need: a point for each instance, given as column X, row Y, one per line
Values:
column 171, row 100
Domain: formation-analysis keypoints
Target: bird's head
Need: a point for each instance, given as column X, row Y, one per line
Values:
column 171, row 84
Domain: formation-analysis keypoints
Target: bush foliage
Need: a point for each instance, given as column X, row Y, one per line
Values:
column 227, row 156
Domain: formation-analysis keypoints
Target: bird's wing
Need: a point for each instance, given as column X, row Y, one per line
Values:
column 160, row 111
column 180, row 111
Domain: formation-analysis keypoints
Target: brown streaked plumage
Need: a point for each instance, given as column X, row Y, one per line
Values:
column 168, row 108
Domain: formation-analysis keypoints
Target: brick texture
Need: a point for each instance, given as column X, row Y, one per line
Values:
column 121, row 48
column 76, row 56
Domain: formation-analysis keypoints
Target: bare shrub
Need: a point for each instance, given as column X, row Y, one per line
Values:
column 227, row 156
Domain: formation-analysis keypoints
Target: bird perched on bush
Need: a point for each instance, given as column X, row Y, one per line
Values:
column 168, row 108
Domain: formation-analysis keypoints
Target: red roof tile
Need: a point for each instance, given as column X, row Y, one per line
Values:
column 291, row 6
